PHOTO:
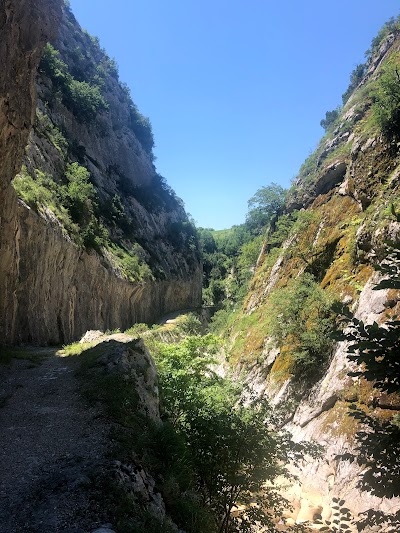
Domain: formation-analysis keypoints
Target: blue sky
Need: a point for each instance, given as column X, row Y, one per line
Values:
column 234, row 89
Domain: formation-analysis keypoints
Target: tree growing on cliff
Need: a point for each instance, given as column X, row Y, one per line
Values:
column 386, row 107
column 330, row 117
column 264, row 205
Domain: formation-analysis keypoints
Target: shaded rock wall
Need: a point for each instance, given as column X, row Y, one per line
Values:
column 63, row 291
column 25, row 25
column 50, row 290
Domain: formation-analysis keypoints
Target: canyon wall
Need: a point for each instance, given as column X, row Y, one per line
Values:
column 341, row 212
column 53, row 289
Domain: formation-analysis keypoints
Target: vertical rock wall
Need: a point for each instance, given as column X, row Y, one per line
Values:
column 50, row 290
column 25, row 26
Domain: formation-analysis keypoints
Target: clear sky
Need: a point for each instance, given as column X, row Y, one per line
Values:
column 234, row 89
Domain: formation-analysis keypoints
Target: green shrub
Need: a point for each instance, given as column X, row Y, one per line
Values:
column 84, row 99
column 37, row 193
column 330, row 119
column 386, row 108
column 46, row 127
column 190, row 324
column 131, row 262
column 303, row 321
column 232, row 444
column 79, row 195
column 355, row 78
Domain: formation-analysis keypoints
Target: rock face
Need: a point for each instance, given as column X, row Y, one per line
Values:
column 60, row 291
column 346, row 198
column 53, row 289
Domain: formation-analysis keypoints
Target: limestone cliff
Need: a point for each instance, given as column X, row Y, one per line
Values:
column 99, row 240
column 341, row 210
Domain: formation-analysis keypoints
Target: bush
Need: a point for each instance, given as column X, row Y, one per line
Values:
column 131, row 263
column 79, row 195
column 330, row 118
column 355, row 78
column 386, row 107
column 84, row 99
column 37, row 193
column 303, row 321
column 233, row 444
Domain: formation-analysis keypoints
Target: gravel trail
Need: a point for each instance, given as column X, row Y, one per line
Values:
column 51, row 445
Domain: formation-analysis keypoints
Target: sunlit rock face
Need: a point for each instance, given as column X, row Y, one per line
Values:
column 344, row 195
column 53, row 290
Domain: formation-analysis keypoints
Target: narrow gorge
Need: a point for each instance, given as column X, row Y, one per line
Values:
column 173, row 379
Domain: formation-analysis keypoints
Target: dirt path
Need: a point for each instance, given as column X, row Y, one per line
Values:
column 50, row 445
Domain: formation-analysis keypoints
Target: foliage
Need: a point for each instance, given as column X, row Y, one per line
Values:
column 84, row 99
column 46, row 128
column 131, row 262
column 375, row 348
column 249, row 252
column 74, row 204
column 264, row 205
column 386, row 107
column 39, row 192
column 183, row 234
column 391, row 26
column 282, row 228
column 303, row 319
column 234, row 445
column 227, row 256
column 141, row 127
column 355, row 79
column 190, row 324
column 139, row 124
column 79, row 195
column 340, row 521
column 330, row 118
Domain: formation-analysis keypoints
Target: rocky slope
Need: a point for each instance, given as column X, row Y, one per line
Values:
column 341, row 210
column 99, row 240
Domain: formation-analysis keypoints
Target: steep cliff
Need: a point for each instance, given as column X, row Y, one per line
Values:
column 98, row 239
column 341, row 210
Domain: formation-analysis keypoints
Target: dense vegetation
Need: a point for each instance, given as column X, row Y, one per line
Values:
column 230, row 256
column 216, row 448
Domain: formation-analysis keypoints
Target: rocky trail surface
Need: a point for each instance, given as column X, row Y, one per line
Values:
column 51, row 445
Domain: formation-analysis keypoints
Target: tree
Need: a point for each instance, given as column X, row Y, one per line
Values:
column 330, row 117
column 264, row 205
column 355, row 78
column 79, row 195
column 232, row 441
